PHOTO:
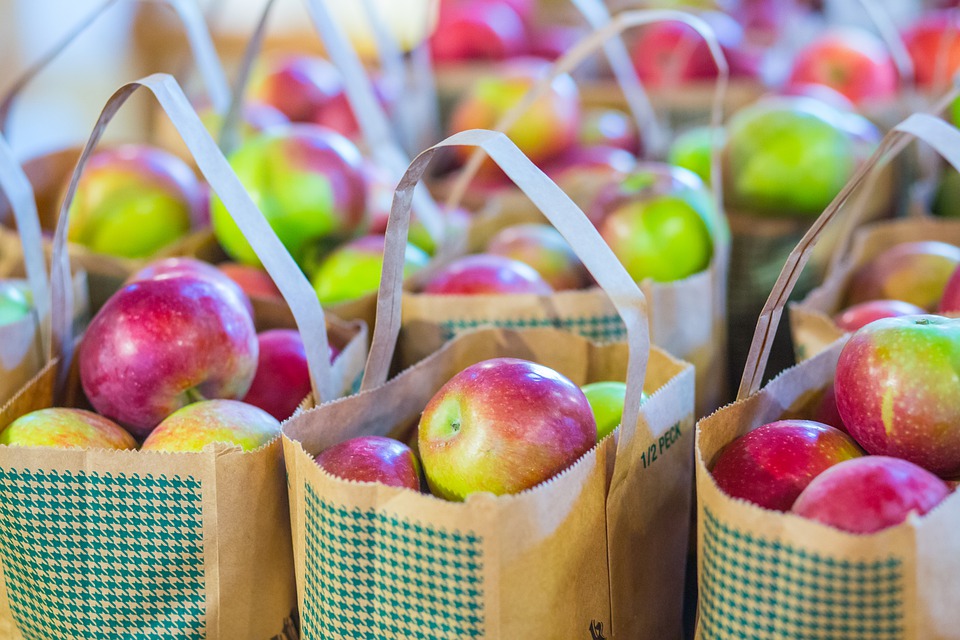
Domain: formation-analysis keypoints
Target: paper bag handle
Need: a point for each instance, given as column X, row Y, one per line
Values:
column 276, row 259
column 195, row 28
column 19, row 193
column 944, row 139
column 568, row 219
column 584, row 49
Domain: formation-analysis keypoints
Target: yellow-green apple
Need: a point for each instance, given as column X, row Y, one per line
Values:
column 897, row 387
column 772, row 464
column 178, row 266
column 133, row 200
column 543, row 248
column 606, row 127
column 477, row 30
column 548, row 127
column 486, row 274
column 353, row 270
column 309, row 183
column 869, row 494
column 502, row 426
column 606, row 400
column 282, row 379
column 850, row 60
column 15, row 303
column 66, row 428
column 658, row 222
column 862, row 314
column 254, row 281
column 914, row 272
column 789, row 155
column 934, row 48
column 691, row 150
column 196, row 425
column 372, row 459
column 158, row 345
column 950, row 300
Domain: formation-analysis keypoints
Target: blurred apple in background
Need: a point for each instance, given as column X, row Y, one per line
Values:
column 134, row 200
column 606, row 400
column 309, row 183
column 691, row 150
column 15, row 301
column 550, row 41
column 254, row 281
column 950, row 301
column 577, row 167
column 372, row 459
column 897, row 390
column 609, row 128
column 353, row 270
column 820, row 92
column 196, row 425
column 502, row 426
column 255, row 118
column 173, row 267
column 66, row 428
column 543, row 248
column 772, row 464
column 850, row 60
column 157, row 345
column 913, row 272
column 934, row 47
column 486, row 274
column 946, row 201
column 478, row 30
column 862, row 314
column 869, row 494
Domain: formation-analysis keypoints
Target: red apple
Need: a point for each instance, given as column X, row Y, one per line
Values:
column 860, row 315
column 486, row 274
column 254, row 281
column 826, row 410
column 66, row 428
column 353, row 270
column 934, row 46
column 772, row 464
column 196, row 425
column 503, row 426
column 173, row 267
column 950, row 300
column 897, row 390
column 372, row 459
column 914, row 272
column 550, row 41
column 852, row 61
column 870, row 494
column 158, row 345
column 477, row 30
column 543, row 248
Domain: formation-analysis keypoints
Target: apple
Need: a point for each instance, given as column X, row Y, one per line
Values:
column 584, row 165
column 477, row 30
column 820, row 92
column 862, row 314
column 897, row 387
column 548, row 127
column 934, row 47
column 173, row 267
column 913, row 272
column 255, row 118
column 158, row 345
column 826, row 410
column 353, row 270
column 486, row 274
column 658, row 223
column 607, row 127
column 134, row 200
column 372, row 459
column 788, row 155
column 502, row 426
column 66, row 428
column 772, row 464
column 869, row 494
column 253, row 281
column 950, row 300
column 309, row 183
column 282, row 379
column 551, row 41
column 606, row 400
column 692, row 149
column 15, row 301
column 196, row 425
column 850, row 60
column 543, row 248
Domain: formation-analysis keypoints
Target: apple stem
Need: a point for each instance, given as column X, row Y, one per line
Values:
column 194, row 395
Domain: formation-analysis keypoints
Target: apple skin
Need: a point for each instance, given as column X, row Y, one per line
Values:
column 134, row 200
column 897, row 388
column 196, row 425
column 253, row 281
column 256, row 117
column 950, row 300
column 486, row 274
column 502, row 426
column 772, row 464
column 609, row 128
column 862, row 314
column 852, row 61
column 282, row 379
column 914, row 272
column 309, row 183
column 585, row 165
column 543, row 248
column 477, row 30
column 353, row 270
column 826, row 410
column 548, row 127
column 928, row 41
column 869, row 494
column 551, row 41
column 691, row 150
column 157, row 345
column 15, row 304
column 606, row 400
column 372, row 459
column 172, row 267
column 66, row 428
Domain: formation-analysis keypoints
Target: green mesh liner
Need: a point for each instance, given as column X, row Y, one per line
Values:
column 608, row 328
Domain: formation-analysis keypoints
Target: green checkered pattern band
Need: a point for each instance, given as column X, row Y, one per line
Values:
column 100, row 556
column 609, row 328
column 373, row 576
column 752, row 587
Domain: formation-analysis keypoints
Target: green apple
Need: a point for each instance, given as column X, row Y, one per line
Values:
column 691, row 150
column 15, row 301
column 353, row 270
column 66, row 428
column 606, row 399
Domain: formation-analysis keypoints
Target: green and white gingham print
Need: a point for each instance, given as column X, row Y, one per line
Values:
column 604, row 328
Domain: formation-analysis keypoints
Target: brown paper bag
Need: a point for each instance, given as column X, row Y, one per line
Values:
column 766, row 574
column 597, row 551
column 100, row 544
